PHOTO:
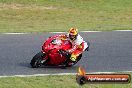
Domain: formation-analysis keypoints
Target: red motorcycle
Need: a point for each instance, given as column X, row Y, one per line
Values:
column 53, row 53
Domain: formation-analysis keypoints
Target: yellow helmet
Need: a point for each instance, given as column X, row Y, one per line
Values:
column 73, row 32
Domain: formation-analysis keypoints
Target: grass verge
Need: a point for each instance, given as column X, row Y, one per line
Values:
column 60, row 15
column 63, row 81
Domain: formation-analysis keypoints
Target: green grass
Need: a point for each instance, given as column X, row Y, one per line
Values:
column 60, row 15
column 52, row 82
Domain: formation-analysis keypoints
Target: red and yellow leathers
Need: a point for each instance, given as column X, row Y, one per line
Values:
column 78, row 45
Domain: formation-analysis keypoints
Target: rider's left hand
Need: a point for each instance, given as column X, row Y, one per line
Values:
column 67, row 51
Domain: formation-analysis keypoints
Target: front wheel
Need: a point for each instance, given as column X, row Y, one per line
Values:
column 37, row 60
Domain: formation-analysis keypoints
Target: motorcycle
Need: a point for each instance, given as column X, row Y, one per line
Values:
column 54, row 53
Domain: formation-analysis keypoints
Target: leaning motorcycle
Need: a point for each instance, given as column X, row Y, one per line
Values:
column 54, row 53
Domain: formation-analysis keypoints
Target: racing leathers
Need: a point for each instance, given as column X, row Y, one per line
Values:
column 78, row 46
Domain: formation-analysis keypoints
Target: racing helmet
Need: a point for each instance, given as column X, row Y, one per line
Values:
column 73, row 32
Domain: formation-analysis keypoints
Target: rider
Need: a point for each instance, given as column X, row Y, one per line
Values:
column 78, row 44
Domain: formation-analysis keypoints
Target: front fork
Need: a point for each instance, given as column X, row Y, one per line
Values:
column 45, row 57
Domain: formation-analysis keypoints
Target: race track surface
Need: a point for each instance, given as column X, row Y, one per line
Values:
column 109, row 52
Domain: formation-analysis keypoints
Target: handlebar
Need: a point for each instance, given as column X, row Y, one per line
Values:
column 63, row 52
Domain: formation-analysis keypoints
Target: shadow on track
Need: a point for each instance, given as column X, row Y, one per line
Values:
column 27, row 65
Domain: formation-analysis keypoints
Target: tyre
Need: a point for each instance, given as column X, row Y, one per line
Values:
column 87, row 49
column 37, row 60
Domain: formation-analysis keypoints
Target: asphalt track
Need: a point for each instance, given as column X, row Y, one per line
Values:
column 109, row 52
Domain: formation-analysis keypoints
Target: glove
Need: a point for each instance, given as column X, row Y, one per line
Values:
column 68, row 52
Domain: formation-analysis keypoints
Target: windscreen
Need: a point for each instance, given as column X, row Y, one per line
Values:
column 56, row 42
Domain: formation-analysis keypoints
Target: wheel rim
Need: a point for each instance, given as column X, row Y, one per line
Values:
column 38, row 63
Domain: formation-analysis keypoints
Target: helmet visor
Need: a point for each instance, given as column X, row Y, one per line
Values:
column 72, row 37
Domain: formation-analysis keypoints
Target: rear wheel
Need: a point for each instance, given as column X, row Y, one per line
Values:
column 37, row 60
